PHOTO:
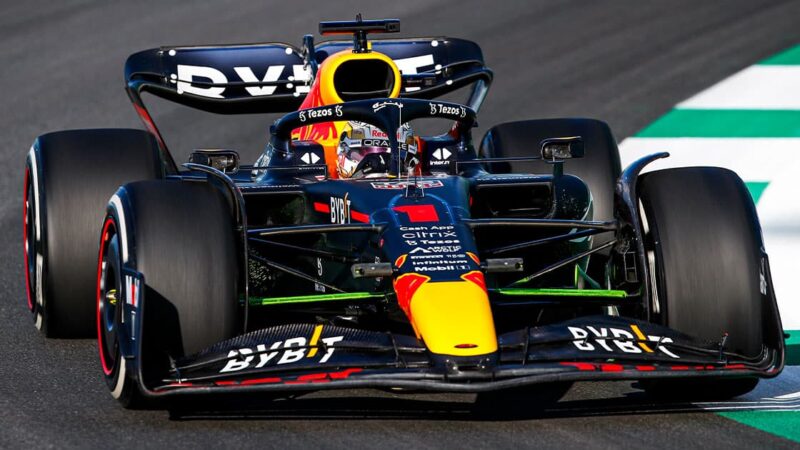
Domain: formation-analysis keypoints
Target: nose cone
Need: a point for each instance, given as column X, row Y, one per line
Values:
column 451, row 317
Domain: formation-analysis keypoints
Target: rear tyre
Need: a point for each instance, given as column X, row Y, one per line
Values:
column 704, row 240
column 181, row 237
column 69, row 176
column 599, row 168
column 521, row 401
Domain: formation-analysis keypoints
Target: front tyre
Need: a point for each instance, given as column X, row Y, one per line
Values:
column 704, row 241
column 110, row 294
column 180, row 238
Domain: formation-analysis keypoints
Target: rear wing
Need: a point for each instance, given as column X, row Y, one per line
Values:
column 275, row 77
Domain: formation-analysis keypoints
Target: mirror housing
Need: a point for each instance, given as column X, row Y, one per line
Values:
column 558, row 149
column 226, row 161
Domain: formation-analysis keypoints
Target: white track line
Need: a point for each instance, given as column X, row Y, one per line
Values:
column 756, row 87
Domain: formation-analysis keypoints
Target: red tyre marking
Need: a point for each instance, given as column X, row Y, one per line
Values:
column 100, row 346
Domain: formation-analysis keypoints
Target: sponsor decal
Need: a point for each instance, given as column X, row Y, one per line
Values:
column 188, row 75
column 422, row 184
column 430, row 236
column 435, row 248
column 439, row 108
column 380, row 105
column 419, row 213
column 358, row 143
column 400, row 261
column 441, row 157
column 307, row 114
column 405, row 286
column 300, row 77
column 616, row 340
column 410, row 66
column 310, row 158
column 279, row 353
column 340, row 209
column 132, row 289
column 474, row 257
column 428, row 261
column 476, row 277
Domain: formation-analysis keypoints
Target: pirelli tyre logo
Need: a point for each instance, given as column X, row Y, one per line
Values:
column 618, row 340
column 314, row 348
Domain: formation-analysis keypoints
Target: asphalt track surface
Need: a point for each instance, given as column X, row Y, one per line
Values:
column 619, row 61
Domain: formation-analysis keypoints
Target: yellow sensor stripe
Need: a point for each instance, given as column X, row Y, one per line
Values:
column 313, row 344
column 642, row 337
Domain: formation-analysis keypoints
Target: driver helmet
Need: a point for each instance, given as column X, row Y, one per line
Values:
column 364, row 151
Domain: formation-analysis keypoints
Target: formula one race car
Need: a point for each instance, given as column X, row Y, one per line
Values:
column 355, row 253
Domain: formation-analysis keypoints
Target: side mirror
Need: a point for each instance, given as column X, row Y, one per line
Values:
column 226, row 161
column 558, row 149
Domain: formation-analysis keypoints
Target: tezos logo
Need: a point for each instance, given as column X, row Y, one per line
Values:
column 319, row 113
column 438, row 108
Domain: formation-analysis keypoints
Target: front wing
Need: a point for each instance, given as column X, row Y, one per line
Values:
column 302, row 357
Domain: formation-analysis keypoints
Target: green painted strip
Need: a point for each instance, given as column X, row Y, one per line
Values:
column 793, row 347
column 259, row 301
column 733, row 123
column 788, row 57
column 756, row 189
column 782, row 423
column 561, row 292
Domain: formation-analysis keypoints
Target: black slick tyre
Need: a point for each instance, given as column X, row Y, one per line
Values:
column 69, row 177
column 704, row 243
column 181, row 238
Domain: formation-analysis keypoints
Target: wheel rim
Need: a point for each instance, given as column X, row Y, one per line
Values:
column 108, row 308
column 29, row 235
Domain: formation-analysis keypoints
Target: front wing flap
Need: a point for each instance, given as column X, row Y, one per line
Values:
column 311, row 357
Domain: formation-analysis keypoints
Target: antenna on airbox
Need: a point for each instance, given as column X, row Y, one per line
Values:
column 359, row 28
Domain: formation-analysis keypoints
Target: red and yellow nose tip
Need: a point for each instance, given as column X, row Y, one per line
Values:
column 451, row 317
